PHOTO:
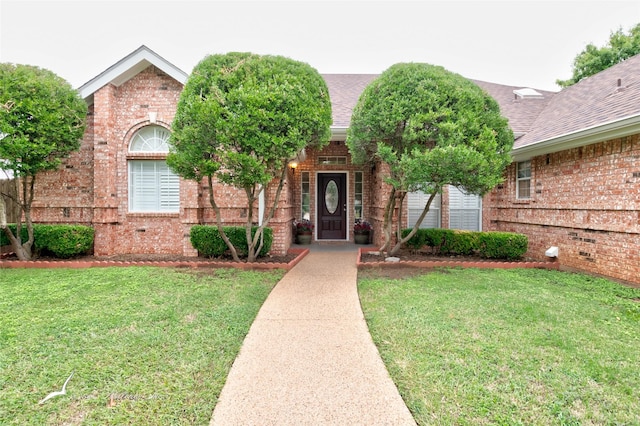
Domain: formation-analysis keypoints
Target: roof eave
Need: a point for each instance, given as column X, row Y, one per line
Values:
column 611, row 130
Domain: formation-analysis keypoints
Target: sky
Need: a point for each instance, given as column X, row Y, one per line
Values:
column 516, row 42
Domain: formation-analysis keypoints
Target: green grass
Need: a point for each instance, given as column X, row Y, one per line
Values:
column 146, row 345
column 509, row 347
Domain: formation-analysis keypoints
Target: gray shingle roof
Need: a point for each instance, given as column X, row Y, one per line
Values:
column 592, row 102
column 606, row 102
column 521, row 112
column 344, row 90
column 542, row 124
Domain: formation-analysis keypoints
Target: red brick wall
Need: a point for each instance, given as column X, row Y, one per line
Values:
column 337, row 149
column 66, row 195
column 586, row 201
column 234, row 208
column 92, row 186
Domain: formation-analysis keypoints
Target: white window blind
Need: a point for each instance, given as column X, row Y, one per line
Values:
column 465, row 210
column 153, row 187
column 523, row 180
column 416, row 202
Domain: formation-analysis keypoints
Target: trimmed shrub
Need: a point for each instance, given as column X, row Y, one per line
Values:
column 461, row 242
column 503, row 245
column 63, row 241
column 418, row 240
column 436, row 238
column 207, row 240
column 441, row 240
column 4, row 240
column 491, row 245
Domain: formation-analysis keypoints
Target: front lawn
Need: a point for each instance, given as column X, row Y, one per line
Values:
column 145, row 345
column 469, row 347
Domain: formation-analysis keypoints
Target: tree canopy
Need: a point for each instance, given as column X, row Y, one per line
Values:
column 42, row 120
column 241, row 117
column 432, row 128
column 594, row 59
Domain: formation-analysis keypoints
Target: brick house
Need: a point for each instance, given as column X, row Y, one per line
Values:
column 575, row 178
column 573, row 183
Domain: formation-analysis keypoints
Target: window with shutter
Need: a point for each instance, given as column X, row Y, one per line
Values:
column 465, row 210
column 153, row 187
column 416, row 202
column 523, row 180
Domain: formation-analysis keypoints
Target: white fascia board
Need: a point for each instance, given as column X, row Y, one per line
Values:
column 612, row 130
column 127, row 68
column 338, row 133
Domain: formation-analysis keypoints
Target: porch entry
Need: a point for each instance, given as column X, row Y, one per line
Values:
column 332, row 206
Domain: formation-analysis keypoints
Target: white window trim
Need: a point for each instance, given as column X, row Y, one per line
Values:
column 150, row 139
column 162, row 193
column 519, row 179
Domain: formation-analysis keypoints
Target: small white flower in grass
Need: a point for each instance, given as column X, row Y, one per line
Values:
column 58, row 393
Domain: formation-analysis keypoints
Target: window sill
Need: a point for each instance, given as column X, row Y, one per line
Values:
column 152, row 214
column 146, row 156
column 522, row 201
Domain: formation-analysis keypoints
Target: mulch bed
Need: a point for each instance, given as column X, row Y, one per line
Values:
column 411, row 262
column 268, row 262
column 407, row 255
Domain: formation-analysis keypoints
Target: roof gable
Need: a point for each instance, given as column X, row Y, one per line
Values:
column 128, row 67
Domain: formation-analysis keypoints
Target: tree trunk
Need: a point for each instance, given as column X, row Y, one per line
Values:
column 212, row 200
column 3, row 213
column 251, row 243
column 415, row 228
column 387, row 226
column 256, row 243
column 23, row 199
column 400, row 202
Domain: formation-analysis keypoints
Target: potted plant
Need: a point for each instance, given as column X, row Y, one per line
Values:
column 304, row 231
column 362, row 232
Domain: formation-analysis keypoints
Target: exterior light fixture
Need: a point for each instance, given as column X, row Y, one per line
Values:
column 293, row 166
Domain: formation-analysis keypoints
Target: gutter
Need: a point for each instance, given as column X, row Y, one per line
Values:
column 602, row 132
column 338, row 133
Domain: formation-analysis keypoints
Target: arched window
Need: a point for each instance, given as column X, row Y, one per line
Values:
column 150, row 139
column 153, row 187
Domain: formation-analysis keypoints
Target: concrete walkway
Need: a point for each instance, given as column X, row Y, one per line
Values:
column 308, row 358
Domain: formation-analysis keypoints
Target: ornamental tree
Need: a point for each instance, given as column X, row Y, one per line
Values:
column 241, row 117
column 432, row 128
column 42, row 120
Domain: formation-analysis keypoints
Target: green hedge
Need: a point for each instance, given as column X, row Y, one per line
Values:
column 491, row 245
column 63, row 241
column 207, row 240
column 503, row 245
